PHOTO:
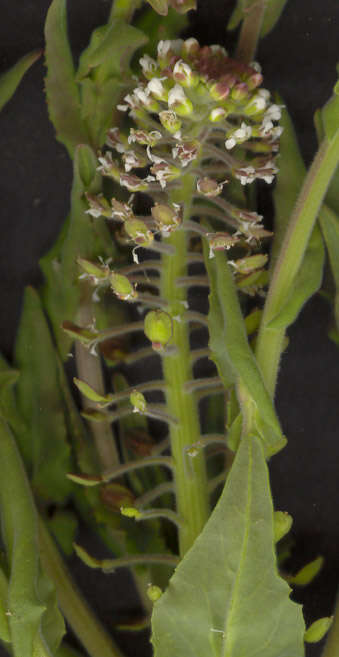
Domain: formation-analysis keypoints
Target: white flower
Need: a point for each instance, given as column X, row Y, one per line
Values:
column 191, row 42
column 246, row 175
column 141, row 95
column 273, row 113
column 217, row 114
column 230, row 143
column 243, row 133
column 256, row 66
column 264, row 93
column 148, row 64
column 218, row 49
column 176, row 95
column 156, row 87
column 152, row 157
column 165, row 46
column 131, row 160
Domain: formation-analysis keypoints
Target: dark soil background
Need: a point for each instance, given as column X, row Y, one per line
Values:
column 298, row 59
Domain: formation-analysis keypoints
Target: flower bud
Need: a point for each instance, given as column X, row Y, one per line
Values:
column 138, row 402
column 157, row 89
column 138, row 231
column 240, row 91
column 282, row 523
column 167, row 218
column 238, row 136
column 183, row 73
column 158, row 327
column 318, row 629
column 122, row 287
column 170, row 121
column 190, row 47
column 178, row 101
column 220, row 242
column 98, row 206
column 217, row 114
column 220, row 90
column 256, row 105
column 166, row 49
column 209, row 187
column 153, row 592
column 149, row 66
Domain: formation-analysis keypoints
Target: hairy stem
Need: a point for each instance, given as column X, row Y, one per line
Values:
column 270, row 340
column 190, row 477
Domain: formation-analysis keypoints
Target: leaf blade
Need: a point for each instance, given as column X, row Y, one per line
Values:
column 10, row 80
column 235, row 607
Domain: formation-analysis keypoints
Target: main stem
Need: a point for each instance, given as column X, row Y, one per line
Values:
column 189, row 473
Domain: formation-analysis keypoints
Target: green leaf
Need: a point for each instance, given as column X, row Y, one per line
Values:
column 226, row 598
column 10, row 80
column 289, row 180
column 330, row 114
column 307, row 282
column 64, row 525
column 44, row 443
column 81, row 237
column 273, row 11
column 231, row 352
column 160, row 6
column 20, row 537
column 5, row 634
column 329, row 223
column 63, row 97
column 91, row 394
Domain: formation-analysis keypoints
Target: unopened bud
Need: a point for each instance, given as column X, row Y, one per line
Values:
column 122, row 287
column 190, row 47
column 282, row 523
column 256, row 105
column 138, row 402
column 217, row 114
column 167, row 218
column 137, row 230
column 98, row 206
column 209, row 187
column 178, row 101
column 183, row 73
column 158, row 327
column 318, row 629
column 153, row 592
column 148, row 65
column 157, row 89
column 240, row 91
column 219, row 90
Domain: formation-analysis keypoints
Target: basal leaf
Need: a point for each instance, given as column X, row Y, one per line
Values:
column 81, row 237
column 231, row 352
column 63, row 97
column 10, row 80
column 5, row 634
column 44, row 443
column 330, row 114
column 226, row 598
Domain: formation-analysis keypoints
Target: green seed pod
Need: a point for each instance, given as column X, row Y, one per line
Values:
column 308, row 572
column 158, row 327
column 122, row 287
column 318, row 629
column 137, row 230
column 153, row 592
column 170, row 121
column 130, row 512
column 209, row 187
column 282, row 524
column 167, row 218
column 247, row 265
column 138, row 401
column 220, row 242
column 96, row 271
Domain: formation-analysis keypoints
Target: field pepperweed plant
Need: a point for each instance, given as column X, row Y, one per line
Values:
column 173, row 298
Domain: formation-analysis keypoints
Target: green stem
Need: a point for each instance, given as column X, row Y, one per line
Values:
column 123, row 10
column 190, row 477
column 79, row 616
column 270, row 340
column 90, row 370
column 250, row 31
